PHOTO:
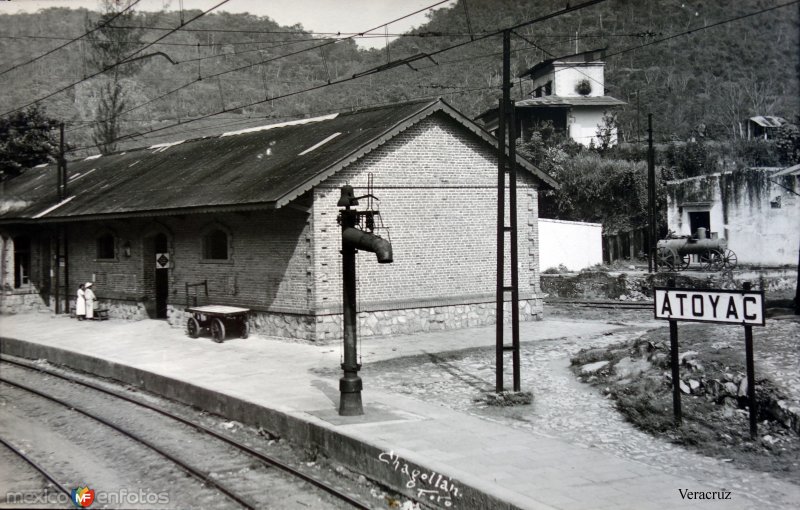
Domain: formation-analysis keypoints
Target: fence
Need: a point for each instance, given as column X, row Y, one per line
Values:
column 628, row 245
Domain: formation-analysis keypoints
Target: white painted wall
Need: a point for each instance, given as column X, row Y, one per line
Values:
column 567, row 76
column 571, row 243
column 583, row 124
column 757, row 232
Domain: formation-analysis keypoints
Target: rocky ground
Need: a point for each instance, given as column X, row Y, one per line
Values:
column 713, row 384
column 583, row 414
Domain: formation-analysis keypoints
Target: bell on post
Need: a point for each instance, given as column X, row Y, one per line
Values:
column 348, row 197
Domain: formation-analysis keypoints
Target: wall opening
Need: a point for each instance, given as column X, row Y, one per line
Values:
column 699, row 219
column 22, row 261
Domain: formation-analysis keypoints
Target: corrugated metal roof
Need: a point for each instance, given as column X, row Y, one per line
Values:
column 768, row 121
column 571, row 101
column 792, row 170
column 256, row 168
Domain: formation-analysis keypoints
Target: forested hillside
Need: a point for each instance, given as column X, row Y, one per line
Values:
column 248, row 66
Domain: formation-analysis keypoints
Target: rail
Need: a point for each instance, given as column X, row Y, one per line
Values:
column 232, row 442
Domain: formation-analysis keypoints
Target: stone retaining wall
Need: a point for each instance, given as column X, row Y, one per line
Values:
column 639, row 285
column 16, row 301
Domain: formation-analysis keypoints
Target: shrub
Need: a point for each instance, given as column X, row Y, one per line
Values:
column 690, row 159
column 788, row 144
column 757, row 152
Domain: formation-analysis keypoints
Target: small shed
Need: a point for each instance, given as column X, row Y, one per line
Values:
column 764, row 126
column 249, row 218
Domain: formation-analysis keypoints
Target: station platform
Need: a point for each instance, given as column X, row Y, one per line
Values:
column 449, row 458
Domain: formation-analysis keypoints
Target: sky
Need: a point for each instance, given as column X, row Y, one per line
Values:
column 314, row 15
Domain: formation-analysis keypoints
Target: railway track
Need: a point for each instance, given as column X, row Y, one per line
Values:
column 619, row 305
column 46, row 474
column 203, row 475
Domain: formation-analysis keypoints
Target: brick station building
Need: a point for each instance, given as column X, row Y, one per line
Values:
column 249, row 219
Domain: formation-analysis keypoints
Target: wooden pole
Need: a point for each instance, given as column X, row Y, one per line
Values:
column 751, row 375
column 676, row 376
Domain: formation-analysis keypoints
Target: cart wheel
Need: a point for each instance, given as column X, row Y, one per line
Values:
column 685, row 261
column 245, row 329
column 218, row 330
column 666, row 259
column 711, row 260
column 729, row 259
column 193, row 327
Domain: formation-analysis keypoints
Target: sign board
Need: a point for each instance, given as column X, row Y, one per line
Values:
column 726, row 306
column 162, row 260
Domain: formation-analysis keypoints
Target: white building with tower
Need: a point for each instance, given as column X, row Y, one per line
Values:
column 570, row 92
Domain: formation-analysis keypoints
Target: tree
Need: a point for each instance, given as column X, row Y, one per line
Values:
column 108, row 46
column 606, row 132
column 26, row 140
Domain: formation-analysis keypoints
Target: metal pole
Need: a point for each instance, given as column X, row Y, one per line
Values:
column 512, row 205
column 751, row 375
column 651, row 196
column 350, row 383
column 501, row 232
column 501, row 198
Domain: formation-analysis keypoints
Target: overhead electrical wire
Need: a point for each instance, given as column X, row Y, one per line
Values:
column 655, row 41
column 625, row 50
column 268, row 60
column 402, row 61
column 384, row 67
column 365, row 36
column 252, row 118
column 150, row 101
column 122, row 61
column 70, row 41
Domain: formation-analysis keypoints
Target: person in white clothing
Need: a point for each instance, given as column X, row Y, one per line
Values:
column 90, row 299
column 80, row 303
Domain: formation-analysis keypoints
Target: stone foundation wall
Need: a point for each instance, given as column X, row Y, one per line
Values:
column 415, row 320
column 18, row 301
column 328, row 328
column 118, row 308
column 271, row 324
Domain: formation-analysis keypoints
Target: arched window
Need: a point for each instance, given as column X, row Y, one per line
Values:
column 215, row 245
column 105, row 246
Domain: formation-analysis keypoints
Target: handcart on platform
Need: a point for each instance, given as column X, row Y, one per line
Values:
column 218, row 320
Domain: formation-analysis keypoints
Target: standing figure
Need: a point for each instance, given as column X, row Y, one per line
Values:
column 90, row 299
column 80, row 304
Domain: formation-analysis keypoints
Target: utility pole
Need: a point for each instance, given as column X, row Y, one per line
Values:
column 62, row 229
column 638, row 131
column 61, row 177
column 508, row 163
column 651, row 196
